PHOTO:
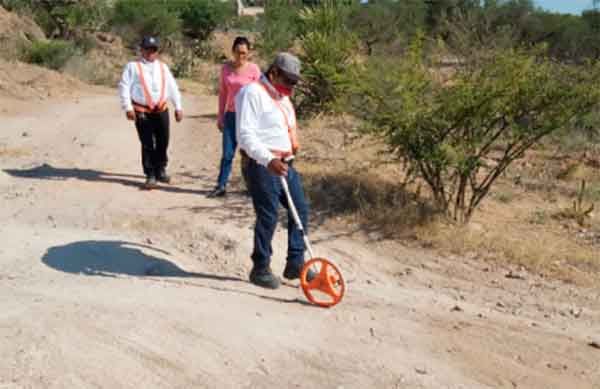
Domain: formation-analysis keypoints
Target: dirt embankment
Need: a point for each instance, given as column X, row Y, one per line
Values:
column 15, row 32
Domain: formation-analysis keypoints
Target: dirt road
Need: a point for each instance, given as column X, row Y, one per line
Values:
column 104, row 285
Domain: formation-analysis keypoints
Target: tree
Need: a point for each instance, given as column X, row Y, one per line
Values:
column 328, row 51
column 459, row 136
column 384, row 22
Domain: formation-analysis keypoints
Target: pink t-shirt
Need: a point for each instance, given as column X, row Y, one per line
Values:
column 231, row 82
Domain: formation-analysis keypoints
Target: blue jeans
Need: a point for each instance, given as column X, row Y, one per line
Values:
column 267, row 193
column 229, row 147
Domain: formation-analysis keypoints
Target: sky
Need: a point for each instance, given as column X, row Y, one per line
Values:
column 565, row 6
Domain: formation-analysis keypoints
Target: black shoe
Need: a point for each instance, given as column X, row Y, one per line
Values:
column 292, row 272
column 150, row 182
column 163, row 177
column 264, row 277
column 217, row 192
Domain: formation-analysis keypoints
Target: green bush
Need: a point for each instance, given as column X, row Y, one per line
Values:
column 52, row 54
column 64, row 19
column 328, row 52
column 460, row 136
column 381, row 24
column 134, row 18
column 200, row 17
column 244, row 23
column 278, row 27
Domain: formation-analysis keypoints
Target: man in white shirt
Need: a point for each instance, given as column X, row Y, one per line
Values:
column 266, row 132
column 145, row 87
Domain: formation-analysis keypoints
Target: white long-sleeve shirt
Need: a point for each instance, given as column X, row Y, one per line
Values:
column 261, row 126
column 130, row 86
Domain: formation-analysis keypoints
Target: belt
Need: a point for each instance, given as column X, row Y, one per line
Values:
column 283, row 155
column 144, row 108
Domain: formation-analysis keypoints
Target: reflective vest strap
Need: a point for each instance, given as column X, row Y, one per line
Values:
column 292, row 133
column 163, row 87
column 147, row 96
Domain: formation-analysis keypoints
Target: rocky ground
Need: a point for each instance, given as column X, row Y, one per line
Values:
column 103, row 284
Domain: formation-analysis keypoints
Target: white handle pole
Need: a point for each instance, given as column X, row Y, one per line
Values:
column 295, row 215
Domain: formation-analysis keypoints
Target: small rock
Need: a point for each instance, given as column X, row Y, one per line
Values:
column 25, row 134
column 375, row 236
column 456, row 308
column 421, row 370
column 576, row 312
column 500, row 305
column 149, row 241
column 372, row 331
column 514, row 275
column 556, row 366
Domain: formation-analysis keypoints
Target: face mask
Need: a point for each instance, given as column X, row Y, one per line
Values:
column 283, row 90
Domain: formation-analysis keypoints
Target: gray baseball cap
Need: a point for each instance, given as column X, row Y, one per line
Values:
column 289, row 64
column 150, row 41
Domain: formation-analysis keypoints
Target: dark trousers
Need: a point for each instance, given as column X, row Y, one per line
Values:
column 153, row 131
column 229, row 146
column 267, row 194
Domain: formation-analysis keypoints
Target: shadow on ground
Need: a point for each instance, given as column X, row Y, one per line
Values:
column 117, row 258
column 49, row 172
column 112, row 258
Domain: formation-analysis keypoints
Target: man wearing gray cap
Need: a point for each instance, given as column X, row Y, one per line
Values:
column 266, row 132
column 145, row 87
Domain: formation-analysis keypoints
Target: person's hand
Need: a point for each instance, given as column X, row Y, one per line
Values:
column 130, row 115
column 278, row 167
column 220, row 126
column 179, row 115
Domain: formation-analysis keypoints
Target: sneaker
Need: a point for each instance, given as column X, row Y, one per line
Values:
column 217, row 192
column 163, row 177
column 264, row 277
column 292, row 272
column 150, row 182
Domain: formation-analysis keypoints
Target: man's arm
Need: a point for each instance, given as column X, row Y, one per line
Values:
column 174, row 94
column 125, row 89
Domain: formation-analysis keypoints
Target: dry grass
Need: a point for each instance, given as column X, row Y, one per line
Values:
column 349, row 180
column 367, row 200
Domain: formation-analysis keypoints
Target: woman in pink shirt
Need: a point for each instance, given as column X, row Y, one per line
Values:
column 234, row 75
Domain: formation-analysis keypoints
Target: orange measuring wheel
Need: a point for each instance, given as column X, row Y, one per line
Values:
column 327, row 288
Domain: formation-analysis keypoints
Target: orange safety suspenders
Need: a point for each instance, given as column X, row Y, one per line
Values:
column 291, row 130
column 150, row 106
